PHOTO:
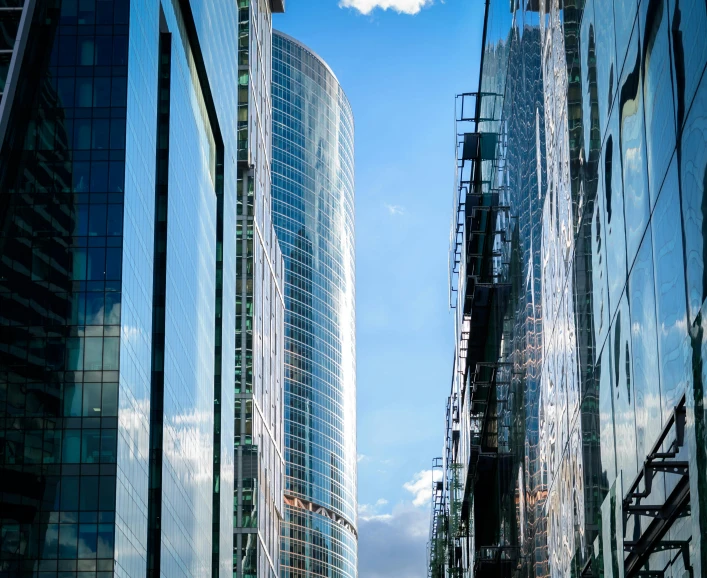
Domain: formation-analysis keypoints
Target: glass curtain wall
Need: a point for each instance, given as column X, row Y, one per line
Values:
column 602, row 160
column 259, row 366
column 313, row 206
column 113, row 263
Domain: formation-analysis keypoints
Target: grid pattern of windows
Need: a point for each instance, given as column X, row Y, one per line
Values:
column 60, row 295
column 77, row 239
column 313, row 204
column 604, row 167
column 10, row 37
column 315, row 546
column 258, row 432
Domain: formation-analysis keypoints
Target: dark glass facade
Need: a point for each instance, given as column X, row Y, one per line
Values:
column 576, row 434
column 117, row 174
column 313, row 207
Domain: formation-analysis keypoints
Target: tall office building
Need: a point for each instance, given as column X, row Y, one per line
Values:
column 313, row 206
column 259, row 435
column 575, row 442
column 118, row 157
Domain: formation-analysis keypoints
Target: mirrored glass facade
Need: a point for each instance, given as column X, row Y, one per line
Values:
column 259, row 396
column 576, row 426
column 117, row 174
column 313, row 208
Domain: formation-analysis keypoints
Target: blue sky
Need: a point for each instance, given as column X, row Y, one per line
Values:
column 400, row 68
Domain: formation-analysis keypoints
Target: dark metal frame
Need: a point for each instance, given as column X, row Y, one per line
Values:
column 663, row 515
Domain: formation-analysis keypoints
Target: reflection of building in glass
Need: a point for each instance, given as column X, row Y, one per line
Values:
column 313, row 206
column 575, row 428
column 115, row 337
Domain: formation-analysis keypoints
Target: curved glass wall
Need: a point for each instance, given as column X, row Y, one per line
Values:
column 313, row 212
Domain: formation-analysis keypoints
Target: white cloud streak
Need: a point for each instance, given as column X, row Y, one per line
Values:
column 399, row 6
column 395, row 209
column 392, row 543
column 367, row 512
column 421, row 488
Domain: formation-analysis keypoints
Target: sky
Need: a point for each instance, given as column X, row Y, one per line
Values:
column 400, row 62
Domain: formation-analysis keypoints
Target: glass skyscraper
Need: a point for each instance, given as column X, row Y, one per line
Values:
column 575, row 434
column 313, row 207
column 120, row 195
column 258, row 442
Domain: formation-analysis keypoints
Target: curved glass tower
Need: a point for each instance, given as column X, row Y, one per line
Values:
column 313, row 212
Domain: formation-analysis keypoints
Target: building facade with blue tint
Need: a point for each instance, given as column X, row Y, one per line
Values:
column 313, row 207
column 575, row 430
column 259, row 395
column 118, row 170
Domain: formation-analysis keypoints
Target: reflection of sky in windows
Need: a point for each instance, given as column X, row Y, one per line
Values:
column 313, row 215
column 67, row 292
column 86, row 282
column 620, row 248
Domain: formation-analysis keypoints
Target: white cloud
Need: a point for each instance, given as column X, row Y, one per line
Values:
column 367, row 512
column 400, row 6
column 392, row 543
column 421, row 488
column 395, row 209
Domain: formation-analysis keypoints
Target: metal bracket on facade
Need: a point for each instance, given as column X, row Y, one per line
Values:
column 669, row 545
column 663, row 514
column 660, row 461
